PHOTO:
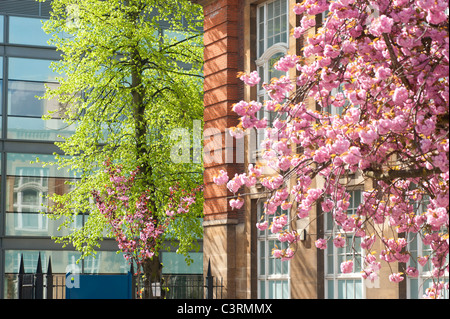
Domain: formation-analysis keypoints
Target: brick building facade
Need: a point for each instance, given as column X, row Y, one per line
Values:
column 231, row 240
column 248, row 35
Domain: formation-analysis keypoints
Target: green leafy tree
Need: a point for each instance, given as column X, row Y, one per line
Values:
column 130, row 77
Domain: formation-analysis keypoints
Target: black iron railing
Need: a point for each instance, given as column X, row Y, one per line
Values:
column 47, row 285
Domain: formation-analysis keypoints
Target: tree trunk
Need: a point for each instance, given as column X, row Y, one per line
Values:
column 152, row 275
column 151, row 267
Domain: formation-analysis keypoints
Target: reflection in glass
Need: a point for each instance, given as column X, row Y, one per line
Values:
column 23, row 99
column 30, row 70
column 27, row 200
column 38, row 129
column 27, row 31
column 21, row 164
column 274, row 20
column 27, row 81
column 176, row 264
column 2, row 19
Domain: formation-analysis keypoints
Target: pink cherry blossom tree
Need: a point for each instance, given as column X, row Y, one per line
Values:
column 138, row 230
column 383, row 67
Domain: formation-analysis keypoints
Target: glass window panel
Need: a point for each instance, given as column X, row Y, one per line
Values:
column 283, row 5
column 283, row 36
column 261, row 35
column 274, row 73
column 106, row 262
column 28, row 193
column 38, row 129
column 276, row 22
column 30, row 197
column 330, row 259
column 277, row 39
column 278, row 264
column 30, row 70
column 350, row 289
column 341, row 289
column 271, row 259
column 277, row 26
column 277, row 7
column 270, row 30
column 285, row 289
column 26, row 199
column 330, row 289
column 20, row 163
column 261, row 19
column 262, row 256
column 285, row 267
column 60, row 260
column 27, row 31
column 18, row 224
column 329, row 221
column 271, row 289
column 2, row 19
column 23, row 100
column 176, row 264
column 270, row 11
column 358, row 289
column 262, row 290
column 279, row 289
column 261, row 48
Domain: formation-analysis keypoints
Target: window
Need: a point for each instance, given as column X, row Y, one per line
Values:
column 272, row 19
column 27, row 31
column 27, row 187
column 27, row 81
column 338, row 93
column 340, row 285
column 273, row 274
column 417, row 286
column 272, row 35
column 2, row 19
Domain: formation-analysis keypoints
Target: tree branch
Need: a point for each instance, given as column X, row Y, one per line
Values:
column 407, row 173
column 395, row 63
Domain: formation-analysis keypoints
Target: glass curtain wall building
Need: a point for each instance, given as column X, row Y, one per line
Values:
column 25, row 58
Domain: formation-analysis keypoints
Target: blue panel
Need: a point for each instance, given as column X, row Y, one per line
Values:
column 98, row 286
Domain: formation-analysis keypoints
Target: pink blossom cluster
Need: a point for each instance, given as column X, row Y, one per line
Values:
column 347, row 266
column 283, row 254
column 436, row 290
column 380, row 82
column 286, row 63
column 278, row 223
column 251, row 79
column 372, row 267
column 236, row 203
column 134, row 225
column 394, row 250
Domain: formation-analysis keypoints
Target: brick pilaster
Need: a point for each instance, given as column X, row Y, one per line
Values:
column 221, row 91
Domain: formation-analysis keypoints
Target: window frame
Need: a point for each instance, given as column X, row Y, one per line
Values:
column 264, row 58
column 425, row 278
column 264, row 275
column 334, row 275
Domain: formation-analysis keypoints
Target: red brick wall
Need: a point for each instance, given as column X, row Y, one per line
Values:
column 222, row 89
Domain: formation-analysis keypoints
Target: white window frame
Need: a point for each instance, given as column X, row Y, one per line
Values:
column 264, row 57
column 424, row 280
column 264, row 277
column 334, row 275
column 258, row 15
column 21, row 209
